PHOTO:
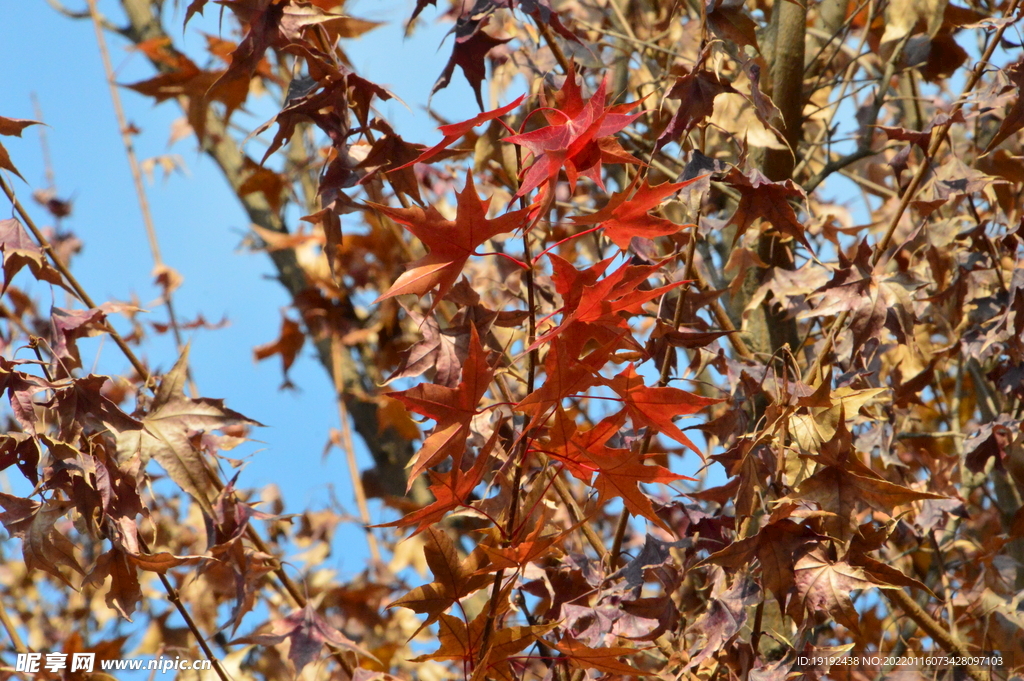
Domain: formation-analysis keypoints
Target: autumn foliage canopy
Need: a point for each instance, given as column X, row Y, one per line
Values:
column 693, row 352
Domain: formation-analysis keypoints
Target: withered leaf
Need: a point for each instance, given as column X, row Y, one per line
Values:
column 472, row 43
column 453, row 578
column 1014, row 119
column 840, row 491
column 20, row 449
column 762, row 198
column 725, row 616
column 437, row 351
column 80, row 401
column 777, row 546
column 70, row 325
column 288, row 344
column 124, row 592
column 308, row 633
column 826, row 586
column 166, row 425
column 12, row 127
column 21, row 388
column 655, row 553
column 730, row 22
column 43, row 546
column 602, row 659
column 696, row 91
column 161, row 561
column 20, row 250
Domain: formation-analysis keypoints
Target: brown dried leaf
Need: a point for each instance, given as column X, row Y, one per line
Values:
column 288, row 345
column 19, row 250
column 308, row 632
column 12, row 127
column 825, row 586
column 125, row 591
column 165, row 433
column 43, row 546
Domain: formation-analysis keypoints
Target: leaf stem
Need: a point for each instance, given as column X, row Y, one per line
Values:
column 172, row 596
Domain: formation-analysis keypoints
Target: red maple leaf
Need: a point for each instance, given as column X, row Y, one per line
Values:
column 577, row 138
column 619, row 471
column 452, row 408
column 566, row 375
column 451, row 242
column 626, row 213
column 599, row 308
column 656, row 407
column 451, row 490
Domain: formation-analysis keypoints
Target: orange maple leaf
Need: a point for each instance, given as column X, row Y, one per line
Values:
column 452, row 408
column 656, row 407
column 626, row 213
column 451, row 242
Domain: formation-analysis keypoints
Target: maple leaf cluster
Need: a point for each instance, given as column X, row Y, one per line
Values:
column 693, row 360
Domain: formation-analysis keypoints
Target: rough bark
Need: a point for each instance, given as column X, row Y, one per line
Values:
column 767, row 328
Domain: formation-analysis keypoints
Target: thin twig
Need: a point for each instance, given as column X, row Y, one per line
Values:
column 140, row 187
column 938, row 434
column 623, row 36
column 76, row 287
column 44, row 146
column 82, row 14
column 126, row 135
column 350, row 451
column 837, row 165
column 556, row 49
column 175, row 599
column 867, row 185
column 11, row 630
column 935, row 629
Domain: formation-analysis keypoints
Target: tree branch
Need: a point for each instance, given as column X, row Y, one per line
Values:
column 390, row 451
